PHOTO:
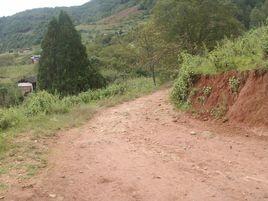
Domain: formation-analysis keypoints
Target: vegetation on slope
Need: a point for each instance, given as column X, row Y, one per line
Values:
column 27, row 28
column 249, row 51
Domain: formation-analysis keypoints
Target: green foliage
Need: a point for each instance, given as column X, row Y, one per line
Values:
column 40, row 103
column 43, row 103
column 27, row 28
column 234, row 84
column 195, row 23
column 259, row 14
column 64, row 65
column 9, row 95
column 12, row 74
column 9, row 118
column 243, row 53
column 219, row 111
column 183, row 84
column 265, row 47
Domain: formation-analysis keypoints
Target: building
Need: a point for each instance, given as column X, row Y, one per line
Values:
column 35, row 58
column 27, row 85
column 25, row 88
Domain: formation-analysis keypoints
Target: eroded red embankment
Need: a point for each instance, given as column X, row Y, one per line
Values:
column 214, row 97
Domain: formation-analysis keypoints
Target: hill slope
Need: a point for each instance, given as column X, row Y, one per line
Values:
column 27, row 28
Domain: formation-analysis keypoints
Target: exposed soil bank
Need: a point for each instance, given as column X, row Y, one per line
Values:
column 240, row 97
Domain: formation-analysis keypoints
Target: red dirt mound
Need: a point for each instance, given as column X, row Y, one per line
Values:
column 234, row 96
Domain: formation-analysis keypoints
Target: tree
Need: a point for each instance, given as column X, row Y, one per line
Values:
column 257, row 17
column 195, row 23
column 64, row 65
column 150, row 47
column 259, row 14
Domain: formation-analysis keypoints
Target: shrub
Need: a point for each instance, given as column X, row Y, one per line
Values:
column 10, row 95
column 207, row 91
column 70, row 101
column 246, row 52
column 265, row 48
column 234, row 84
column 9, row 118
column 40, row 103
column 182, row 86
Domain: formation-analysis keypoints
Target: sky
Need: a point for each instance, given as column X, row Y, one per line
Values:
column 10, row 7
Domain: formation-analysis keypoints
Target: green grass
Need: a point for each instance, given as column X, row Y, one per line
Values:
column 11, row 74
column 23, row 140
column 247, row 52
column 244, row 53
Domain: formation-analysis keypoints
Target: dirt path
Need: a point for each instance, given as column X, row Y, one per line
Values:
column 144, row 151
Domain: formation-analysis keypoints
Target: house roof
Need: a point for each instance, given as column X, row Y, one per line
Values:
column 26, row 84
column 32, row 79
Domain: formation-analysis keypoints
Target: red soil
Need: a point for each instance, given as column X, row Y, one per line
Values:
column 118, row 17
column 143, row 150
column 249, row 106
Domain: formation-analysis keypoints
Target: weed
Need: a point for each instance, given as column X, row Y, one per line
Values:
column 183, row 84
column 249, row 51
column 219, row 111
column 201, row 100
column 234, row 84
column 207, row 91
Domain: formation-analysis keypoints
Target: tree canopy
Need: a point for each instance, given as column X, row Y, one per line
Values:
column 64, row 65
column 196, row 23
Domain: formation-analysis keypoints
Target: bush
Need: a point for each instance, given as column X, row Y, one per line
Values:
column 183, row 84
column 9, row 118
column 40, row 103
column 10, row 95
column 234, row 84
column 246, row 52
column 44, row 103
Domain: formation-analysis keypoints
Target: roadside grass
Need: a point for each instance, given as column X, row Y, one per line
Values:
column 24, row 144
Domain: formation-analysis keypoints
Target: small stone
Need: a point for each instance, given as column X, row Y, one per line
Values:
column 205, row 119
column 2, row 197
column 159, row 104
column 247, row 135
column 175, row 120
column 193, row 133
column 81, row 172
column 52, row 195
column 225, row 120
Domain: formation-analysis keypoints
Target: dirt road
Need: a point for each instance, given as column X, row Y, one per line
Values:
column 144, row 151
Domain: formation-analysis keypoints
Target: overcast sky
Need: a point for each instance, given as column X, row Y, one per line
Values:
column 10, row 7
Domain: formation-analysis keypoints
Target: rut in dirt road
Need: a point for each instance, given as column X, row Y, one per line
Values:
column 145, row 151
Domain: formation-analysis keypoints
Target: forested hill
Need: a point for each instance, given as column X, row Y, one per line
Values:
column 27, row 28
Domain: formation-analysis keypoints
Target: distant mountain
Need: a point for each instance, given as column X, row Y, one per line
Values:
column 27, row 28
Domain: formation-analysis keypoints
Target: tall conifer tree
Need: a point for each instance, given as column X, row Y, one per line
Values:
column 64, row 65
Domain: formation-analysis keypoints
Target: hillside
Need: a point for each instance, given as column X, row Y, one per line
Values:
column 26, row 29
